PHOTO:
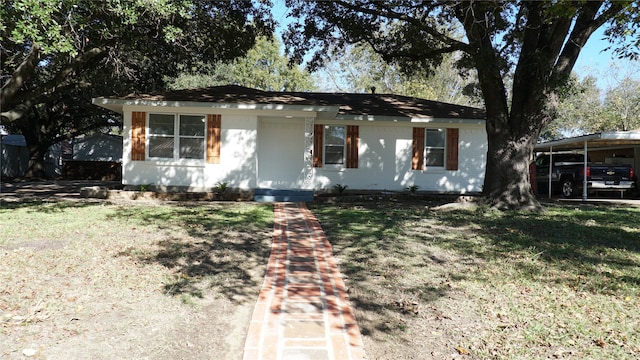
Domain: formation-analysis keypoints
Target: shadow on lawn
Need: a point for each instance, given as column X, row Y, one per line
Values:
column 382, row 245
column 47, row 206
column 224, row 247
column 590, row 248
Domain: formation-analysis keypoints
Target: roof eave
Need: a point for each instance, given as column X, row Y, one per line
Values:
column 118, row 104
column 322, row 111
column 407, row 119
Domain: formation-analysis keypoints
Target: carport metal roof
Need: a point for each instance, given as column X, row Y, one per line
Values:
column 600, row 140
column 592, row 141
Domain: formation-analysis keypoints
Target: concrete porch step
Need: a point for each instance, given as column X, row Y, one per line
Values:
column 282, row 195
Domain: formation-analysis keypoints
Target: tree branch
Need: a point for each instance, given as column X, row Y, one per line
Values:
column 76, row 63
column 20, row 75
column 472, row 16
column 17, row 112
column 83, row 130
column 42, row 93
column 586, row 24
column 387, row 12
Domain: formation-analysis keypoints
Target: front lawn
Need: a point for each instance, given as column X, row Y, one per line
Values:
column 427, row 284
column 176, row 280
column 95, row 280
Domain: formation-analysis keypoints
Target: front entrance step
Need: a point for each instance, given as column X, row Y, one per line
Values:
column 280, row 195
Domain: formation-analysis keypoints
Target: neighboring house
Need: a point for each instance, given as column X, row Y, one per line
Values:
column 93, row 157
column 252, row 139
column 14, row 156
column 100, row 150
column 97, row 147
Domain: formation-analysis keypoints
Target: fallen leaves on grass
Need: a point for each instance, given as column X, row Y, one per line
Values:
column 407, row 306
column 600, row 342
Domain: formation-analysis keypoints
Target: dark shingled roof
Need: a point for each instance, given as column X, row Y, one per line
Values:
column 350, row 104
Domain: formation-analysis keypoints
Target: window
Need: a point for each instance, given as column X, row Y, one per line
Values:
column 176, row 136
column 434, row 147
column 334, row 145
column 191, row 142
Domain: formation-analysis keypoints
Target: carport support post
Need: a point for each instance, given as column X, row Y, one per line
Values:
column 584, row 174
column 550, row 168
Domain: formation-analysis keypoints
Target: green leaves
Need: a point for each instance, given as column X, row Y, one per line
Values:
column 90, row 48
column 37, row 22
column 263, row 67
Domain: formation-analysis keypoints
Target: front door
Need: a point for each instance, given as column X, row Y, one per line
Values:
column 281, row 151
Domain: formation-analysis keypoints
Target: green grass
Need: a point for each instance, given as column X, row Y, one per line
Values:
column 564, row 283
column 68, row 267
column 425, row 284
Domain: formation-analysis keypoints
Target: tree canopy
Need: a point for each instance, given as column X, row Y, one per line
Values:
column 358, row 68
column 264, row 67
column 57, row 54
column 536, row 43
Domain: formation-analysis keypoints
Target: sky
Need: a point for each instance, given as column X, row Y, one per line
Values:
column 603, row 65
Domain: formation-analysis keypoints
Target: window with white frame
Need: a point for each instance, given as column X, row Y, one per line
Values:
column 334, row 144
column 174, row 136
column 434, row 149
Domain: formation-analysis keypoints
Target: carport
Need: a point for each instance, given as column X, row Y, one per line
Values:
column 610, row 147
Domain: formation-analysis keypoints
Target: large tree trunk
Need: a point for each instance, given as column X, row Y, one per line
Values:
column 507, row 184
column 36, row 167
column 34, row 133
column 512, row 137
column 513, row 127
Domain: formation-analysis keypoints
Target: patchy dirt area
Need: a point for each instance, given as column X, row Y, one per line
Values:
column 96, row 280
column 405, row 293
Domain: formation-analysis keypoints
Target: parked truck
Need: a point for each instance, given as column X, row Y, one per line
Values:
column 567, row 175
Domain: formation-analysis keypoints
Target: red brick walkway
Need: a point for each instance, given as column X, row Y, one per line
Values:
column 303, row 310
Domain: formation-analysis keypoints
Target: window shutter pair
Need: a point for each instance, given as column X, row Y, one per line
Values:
column 353, row 141
column 138, row 134
column 451, row 157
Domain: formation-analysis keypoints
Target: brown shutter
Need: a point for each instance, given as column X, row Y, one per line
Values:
column 317, row 145
column 138, row 130
column 452, row 149
column 214, row 125
column 417, row 162
column 353, row 141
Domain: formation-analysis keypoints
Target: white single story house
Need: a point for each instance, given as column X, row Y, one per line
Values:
column 252, row 139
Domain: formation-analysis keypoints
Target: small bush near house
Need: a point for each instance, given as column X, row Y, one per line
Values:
column 221, row 187
column 340, row 189
column 413, row 188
